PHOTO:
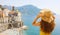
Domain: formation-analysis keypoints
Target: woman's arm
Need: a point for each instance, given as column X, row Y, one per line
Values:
column 35, row 23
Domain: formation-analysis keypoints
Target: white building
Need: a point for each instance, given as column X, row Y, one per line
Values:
column 6, row 12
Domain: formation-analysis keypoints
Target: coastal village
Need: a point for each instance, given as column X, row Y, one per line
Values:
column 10, row 19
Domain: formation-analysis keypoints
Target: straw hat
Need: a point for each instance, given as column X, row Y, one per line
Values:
column 46, row 12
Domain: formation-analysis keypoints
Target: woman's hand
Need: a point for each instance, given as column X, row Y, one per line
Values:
column 38, row 16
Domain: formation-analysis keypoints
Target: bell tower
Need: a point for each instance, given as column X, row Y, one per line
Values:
column 13, row 8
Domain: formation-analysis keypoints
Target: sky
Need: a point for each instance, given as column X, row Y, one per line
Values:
column 53, row 5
